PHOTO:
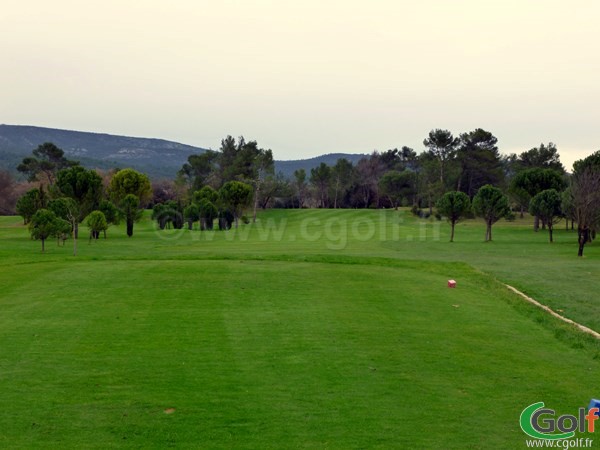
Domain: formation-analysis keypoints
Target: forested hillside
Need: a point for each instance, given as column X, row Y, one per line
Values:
column 156, row 157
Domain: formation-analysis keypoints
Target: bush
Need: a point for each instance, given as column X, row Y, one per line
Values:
column 96, row 222
column 245, row 220
column 167, row 215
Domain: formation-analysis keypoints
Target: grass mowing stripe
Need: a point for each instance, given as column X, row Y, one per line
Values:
column 264, row 342
column 327, row 357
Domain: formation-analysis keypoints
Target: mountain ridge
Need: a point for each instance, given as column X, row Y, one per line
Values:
column 159, row 158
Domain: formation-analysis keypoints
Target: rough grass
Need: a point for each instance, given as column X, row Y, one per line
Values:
column 309, row 336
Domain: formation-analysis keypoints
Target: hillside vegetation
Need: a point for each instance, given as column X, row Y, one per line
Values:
column 158, row 158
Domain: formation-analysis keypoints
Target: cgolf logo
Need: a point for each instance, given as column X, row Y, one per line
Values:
column 540, row 423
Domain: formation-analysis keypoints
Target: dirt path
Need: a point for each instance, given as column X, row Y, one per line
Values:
column 558, row 316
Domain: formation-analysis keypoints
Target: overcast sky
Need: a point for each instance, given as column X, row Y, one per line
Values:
column 307, row 77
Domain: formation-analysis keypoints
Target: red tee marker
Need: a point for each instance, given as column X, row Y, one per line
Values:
column 451, row 283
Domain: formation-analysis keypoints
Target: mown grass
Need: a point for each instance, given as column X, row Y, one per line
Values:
column 316, row 334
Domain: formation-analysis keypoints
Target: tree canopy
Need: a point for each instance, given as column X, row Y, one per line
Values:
column 96, row 222
column 44, row 224
column 547, row 206
column 491, row 205
column 206, row 193
column 397, row 186
column 84, row 187
column 320, row 178
column 130, row 182
column 442, row 146
column 479, row 161
column 236, row 196
column 47, row 159
column 543, row 157
column 454, row 206
column 30, row 202
column 529, row 182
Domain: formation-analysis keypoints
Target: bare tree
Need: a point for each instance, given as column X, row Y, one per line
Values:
column 320, row 178
column 164, row 190
column 585, row 192
column 7, row 193
column 300, row 186
column 369, row 170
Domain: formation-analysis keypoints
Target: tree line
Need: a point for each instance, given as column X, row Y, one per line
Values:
column 68, row 194
column 461, row 176
column 392, row 178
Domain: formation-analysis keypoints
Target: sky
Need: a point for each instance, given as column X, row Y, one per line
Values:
column 307, row 77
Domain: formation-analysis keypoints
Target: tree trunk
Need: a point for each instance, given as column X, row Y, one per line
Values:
column 263, row 205
column 583, row 238
column 336, row 194
column 452, row 232
column 75, row 229
column 366, row 196
column 469, row 190
column 129, row 227
column 550, row 231
column 255, row 203
column 488, row 233
column 522, row 212
column 536, row 224
column 43, row 247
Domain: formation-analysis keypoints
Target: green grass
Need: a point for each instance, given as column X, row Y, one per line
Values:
column 309, row 336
